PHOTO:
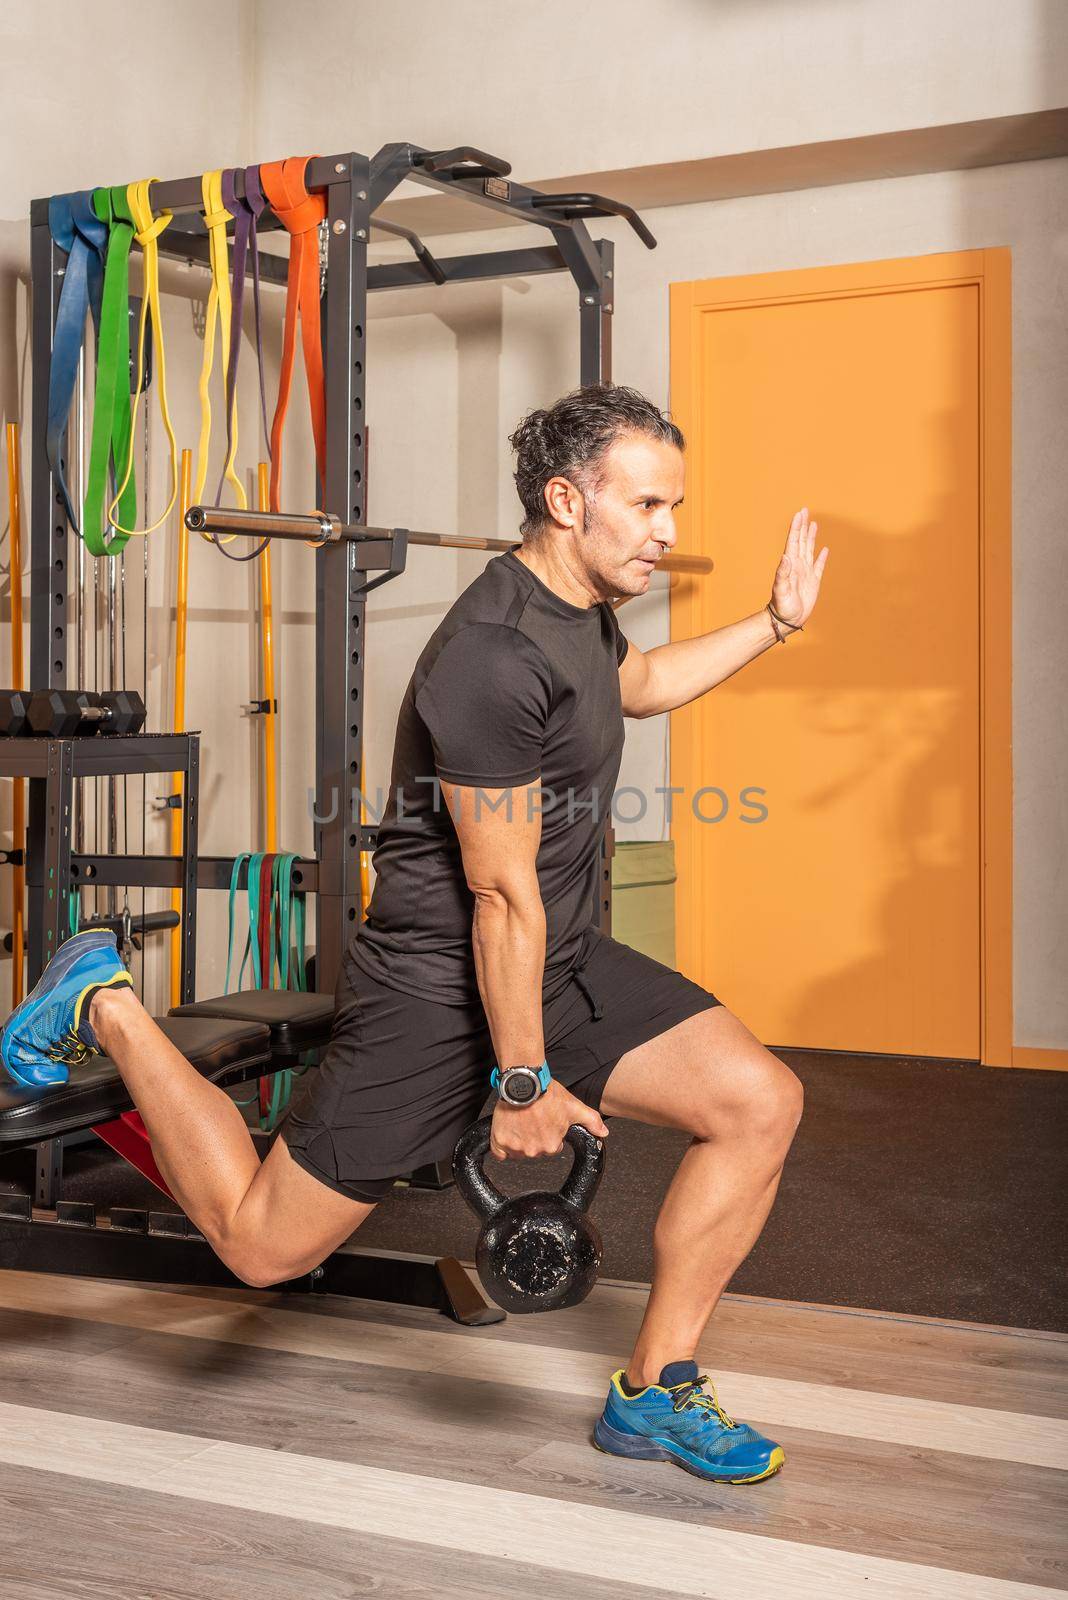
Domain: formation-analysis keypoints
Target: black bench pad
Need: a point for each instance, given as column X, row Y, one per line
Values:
column 297, row 1021
column 225, row 1052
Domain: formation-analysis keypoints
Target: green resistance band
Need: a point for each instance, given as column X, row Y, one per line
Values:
column 109, row 450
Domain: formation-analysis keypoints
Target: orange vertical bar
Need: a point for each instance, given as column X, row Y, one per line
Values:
column 270, row 774
column 178, row 721
column 18, row 799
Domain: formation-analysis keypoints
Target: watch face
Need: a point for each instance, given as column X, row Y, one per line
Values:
column 521, row 1087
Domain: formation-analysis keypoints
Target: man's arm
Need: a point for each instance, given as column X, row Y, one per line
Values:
column 674, row 674
column 499, row 832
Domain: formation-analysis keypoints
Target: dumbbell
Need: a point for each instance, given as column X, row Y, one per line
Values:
column 14, row 712
column 67, row 713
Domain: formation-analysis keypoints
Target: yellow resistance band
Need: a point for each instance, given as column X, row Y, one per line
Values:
column 148, row 230
column 219, row 315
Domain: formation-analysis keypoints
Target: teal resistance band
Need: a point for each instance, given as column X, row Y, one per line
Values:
column 290, row 907
column 286, row 954
column 234, row 878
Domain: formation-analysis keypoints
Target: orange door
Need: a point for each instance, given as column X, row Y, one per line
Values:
column 831, row 883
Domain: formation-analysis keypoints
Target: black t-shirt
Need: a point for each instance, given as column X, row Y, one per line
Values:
column 514, row 682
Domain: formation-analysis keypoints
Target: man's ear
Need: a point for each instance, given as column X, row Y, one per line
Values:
column 564, row 502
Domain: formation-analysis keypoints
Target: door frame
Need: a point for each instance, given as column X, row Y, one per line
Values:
column 990, row 271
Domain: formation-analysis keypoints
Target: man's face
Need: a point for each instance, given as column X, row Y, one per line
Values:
column 630, row 520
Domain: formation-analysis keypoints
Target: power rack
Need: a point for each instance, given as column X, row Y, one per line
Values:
column 356, row 186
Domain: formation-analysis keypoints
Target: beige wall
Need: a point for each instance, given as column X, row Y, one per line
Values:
column 450, row 372
column 559, row 88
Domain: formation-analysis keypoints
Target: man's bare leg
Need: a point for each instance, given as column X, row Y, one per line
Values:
column 267, row 1222
column 713, row 1078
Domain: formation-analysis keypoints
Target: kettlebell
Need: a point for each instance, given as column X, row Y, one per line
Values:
column 539, row 1251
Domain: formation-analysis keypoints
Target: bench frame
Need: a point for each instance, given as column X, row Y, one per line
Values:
column 45, row 1233
column 72, row 1239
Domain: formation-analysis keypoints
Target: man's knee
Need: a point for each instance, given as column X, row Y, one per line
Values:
column 763, row 1107
column 286, row 1225
column 253, row 1259
column 256, row 1255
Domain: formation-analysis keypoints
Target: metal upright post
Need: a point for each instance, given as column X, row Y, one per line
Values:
column 52, row 897
column 190, row 822
column 48, row 583
column 340, row 607
column 596, row 302
column 48, row 522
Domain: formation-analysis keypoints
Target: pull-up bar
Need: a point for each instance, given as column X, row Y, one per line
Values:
column 320, row 527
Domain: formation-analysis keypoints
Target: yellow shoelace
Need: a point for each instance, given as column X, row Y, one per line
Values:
column 71, row 1050
column 691, row 1394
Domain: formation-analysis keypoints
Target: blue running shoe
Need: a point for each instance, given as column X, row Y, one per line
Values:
column 678, row 1420
column 49, row 1032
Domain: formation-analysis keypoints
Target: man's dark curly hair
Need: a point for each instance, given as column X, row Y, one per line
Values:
column 571, row 439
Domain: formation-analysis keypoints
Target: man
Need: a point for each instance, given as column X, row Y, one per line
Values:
column 478, row 946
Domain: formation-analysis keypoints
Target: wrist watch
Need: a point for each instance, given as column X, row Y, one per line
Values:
column 521, row 1086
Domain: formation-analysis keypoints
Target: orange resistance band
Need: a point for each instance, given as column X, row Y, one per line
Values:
column 300, row 213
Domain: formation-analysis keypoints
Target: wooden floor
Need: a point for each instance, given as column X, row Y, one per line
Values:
column 243, row 1445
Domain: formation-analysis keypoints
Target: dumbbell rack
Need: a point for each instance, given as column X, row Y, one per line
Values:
column 52, row 871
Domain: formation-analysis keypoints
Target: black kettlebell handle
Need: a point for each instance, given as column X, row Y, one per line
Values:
column 484, row 1197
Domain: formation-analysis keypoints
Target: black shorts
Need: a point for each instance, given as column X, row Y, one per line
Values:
column 403, row 1076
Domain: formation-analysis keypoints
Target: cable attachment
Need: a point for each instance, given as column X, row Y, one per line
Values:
column 127, row 942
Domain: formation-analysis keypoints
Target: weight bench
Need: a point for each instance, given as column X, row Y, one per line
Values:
column 95, row 1095
column 163, row 1247
column 297, row 1021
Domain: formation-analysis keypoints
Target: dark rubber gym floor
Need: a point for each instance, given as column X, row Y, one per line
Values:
column 913, row 1186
